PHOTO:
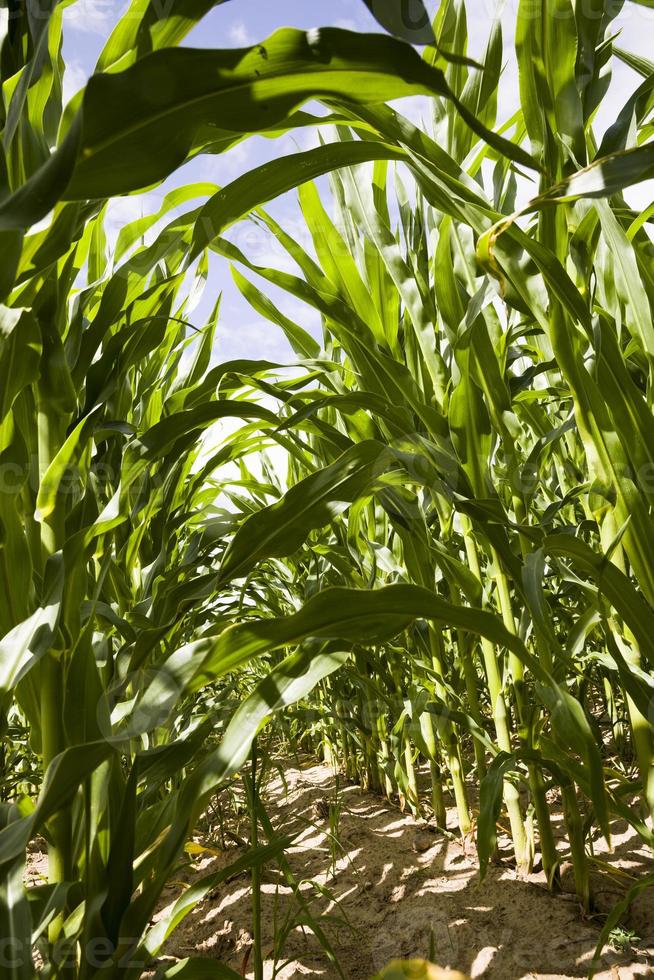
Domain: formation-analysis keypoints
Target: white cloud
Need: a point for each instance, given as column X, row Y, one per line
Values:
column 91, row 16
column 123, row 210
column 232, row 164
column 260, row 340
column 75, row 78
column 239, row 35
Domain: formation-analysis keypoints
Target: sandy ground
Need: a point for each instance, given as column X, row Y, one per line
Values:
column 399, row 889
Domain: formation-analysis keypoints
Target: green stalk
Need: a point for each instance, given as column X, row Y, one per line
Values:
column 500, row 720
column 574, row 826
column 52, row 736
column 385, row 756
column 471, row 679
column 52, row 675
column 329, row 756
column 404, row 755
column 413, row 795
column 641, row 728
column 548, row 850
column 437, row 797
column 371, row 747
column 612, row 711
column 257, row 953
column 343, row 738
column 448, row 734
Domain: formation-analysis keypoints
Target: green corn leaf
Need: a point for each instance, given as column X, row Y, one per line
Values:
column 300, row 339
column 199, row 968
column 246, row 91
column 613, row 583
column 356, row 616
column 407, row 19
column 619, row 910
column 606, row 176
column 268, row 181
column 27, row 642
column 490, row 805
column 62, row 779
column 286, row 683
column 20, row 354
column 63, row 466
column 147, row 26
column 281, row 528
column 15, row 915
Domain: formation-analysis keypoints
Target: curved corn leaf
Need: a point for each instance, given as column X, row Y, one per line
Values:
column 281, row 528
column 268, row 181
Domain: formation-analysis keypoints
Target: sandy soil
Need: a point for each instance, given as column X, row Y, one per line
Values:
column 401, row 890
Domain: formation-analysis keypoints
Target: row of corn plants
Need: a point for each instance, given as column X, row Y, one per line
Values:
column 483, row 414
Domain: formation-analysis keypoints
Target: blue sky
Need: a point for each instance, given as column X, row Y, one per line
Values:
column 242, row 22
